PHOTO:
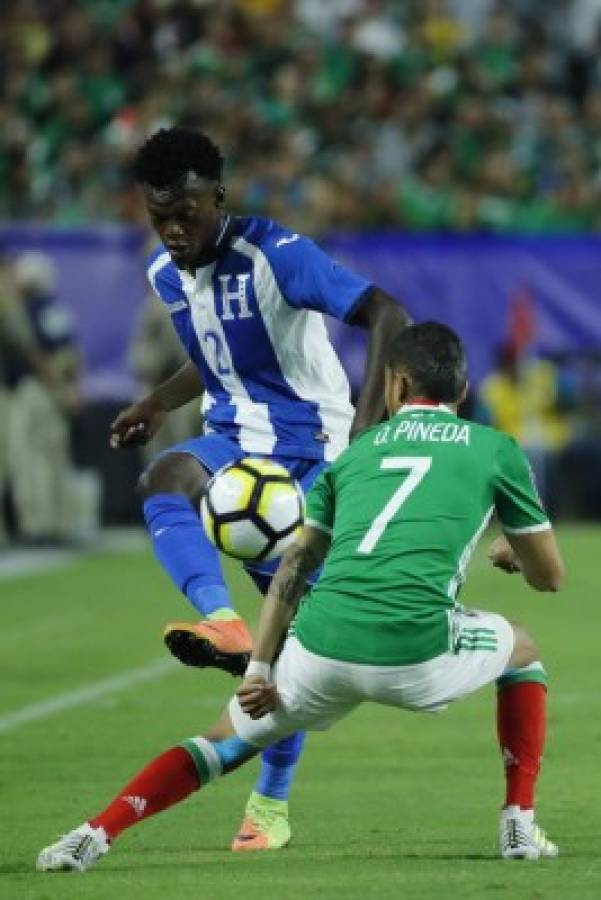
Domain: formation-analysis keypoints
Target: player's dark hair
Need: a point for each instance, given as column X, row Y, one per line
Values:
column 433, row 357
column 171, row 153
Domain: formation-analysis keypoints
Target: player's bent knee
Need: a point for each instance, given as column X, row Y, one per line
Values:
column 214, row 758
column 174, row 473
column 525, row 651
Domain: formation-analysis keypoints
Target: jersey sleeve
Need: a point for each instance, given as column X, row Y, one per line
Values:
column 309, row 279
column 320, row 503
column 164, row 279
column 517, row 502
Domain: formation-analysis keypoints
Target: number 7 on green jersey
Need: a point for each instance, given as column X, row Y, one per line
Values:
column 417, row 467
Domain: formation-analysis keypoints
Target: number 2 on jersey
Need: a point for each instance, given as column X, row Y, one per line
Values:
column 417, row 467
column 212, row 339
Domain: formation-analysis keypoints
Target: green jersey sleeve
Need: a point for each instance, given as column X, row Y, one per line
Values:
column 517, row 502
column 320, row 503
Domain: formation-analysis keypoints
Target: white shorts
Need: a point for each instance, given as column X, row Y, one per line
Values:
column 316, row 691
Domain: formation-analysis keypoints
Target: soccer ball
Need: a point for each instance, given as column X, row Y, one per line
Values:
column 252, row 509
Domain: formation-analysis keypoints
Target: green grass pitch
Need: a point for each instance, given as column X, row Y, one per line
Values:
column 388, row 804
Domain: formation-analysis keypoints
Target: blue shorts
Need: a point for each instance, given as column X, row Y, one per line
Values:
column 213, row 451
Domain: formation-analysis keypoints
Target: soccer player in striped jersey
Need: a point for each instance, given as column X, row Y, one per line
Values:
column 396, row 519
column 246, row 297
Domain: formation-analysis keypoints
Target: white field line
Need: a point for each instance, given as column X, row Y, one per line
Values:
column 61, row 702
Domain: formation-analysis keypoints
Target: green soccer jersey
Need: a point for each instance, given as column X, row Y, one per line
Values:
column 406, row 504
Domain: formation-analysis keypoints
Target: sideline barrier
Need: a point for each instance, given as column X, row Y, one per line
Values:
column 472, row 282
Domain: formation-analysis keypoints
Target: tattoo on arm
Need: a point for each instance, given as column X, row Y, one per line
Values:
column 288, row 586
column 290, row 580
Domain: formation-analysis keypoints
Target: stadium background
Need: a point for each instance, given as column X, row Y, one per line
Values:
column 451, row 150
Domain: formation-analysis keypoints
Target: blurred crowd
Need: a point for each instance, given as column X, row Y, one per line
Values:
column 422, row 114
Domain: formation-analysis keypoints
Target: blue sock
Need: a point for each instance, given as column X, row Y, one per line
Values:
column 192, row 562
column 185, row 552
column 278, row 765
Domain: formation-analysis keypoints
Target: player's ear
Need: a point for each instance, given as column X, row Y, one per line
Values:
column 219, row 195
column 393, row 390
column 464, row 393
column 404, row 389
column 388, row 375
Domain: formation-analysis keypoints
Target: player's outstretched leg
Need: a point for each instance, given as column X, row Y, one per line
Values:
column 521, row 725
column 171, row 488
column 167, row 780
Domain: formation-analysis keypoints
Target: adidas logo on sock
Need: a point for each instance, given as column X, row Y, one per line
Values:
column 138, row 804
column 508, row 758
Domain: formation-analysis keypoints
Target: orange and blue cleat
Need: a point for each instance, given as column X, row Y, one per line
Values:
column 265, row 825
column 211, row 643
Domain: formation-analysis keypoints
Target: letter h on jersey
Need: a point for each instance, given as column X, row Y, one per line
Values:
column 237, row 294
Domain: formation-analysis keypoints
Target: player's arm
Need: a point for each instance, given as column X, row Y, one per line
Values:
column 256, row 695
column 529, row 545
column 309, row 279
column 289, row 584
column 535, row 555
column 382, row 316
column 137, row 423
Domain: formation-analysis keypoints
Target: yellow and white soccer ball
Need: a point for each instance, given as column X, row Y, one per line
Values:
column 252, row 509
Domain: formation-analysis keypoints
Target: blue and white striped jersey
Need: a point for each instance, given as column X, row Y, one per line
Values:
column 251, row 321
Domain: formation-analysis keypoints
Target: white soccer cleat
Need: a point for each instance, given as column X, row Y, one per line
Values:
column 76, row 851
column 521, row 838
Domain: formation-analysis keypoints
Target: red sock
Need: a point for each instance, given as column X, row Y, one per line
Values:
column 166, row 780
column 521, row 720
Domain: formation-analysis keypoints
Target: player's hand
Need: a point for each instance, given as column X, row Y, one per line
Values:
column 502, row 556
column 257, row 697
column 136, row 424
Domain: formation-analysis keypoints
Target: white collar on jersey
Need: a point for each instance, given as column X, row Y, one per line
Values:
column 221, row 235
column 409, row 407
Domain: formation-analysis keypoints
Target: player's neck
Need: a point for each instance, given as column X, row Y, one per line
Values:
column 214, row 247
column 420, row 401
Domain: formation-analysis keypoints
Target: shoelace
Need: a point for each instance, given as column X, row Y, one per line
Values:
column 514, row 834
column 79, row 845
column 264, row 817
